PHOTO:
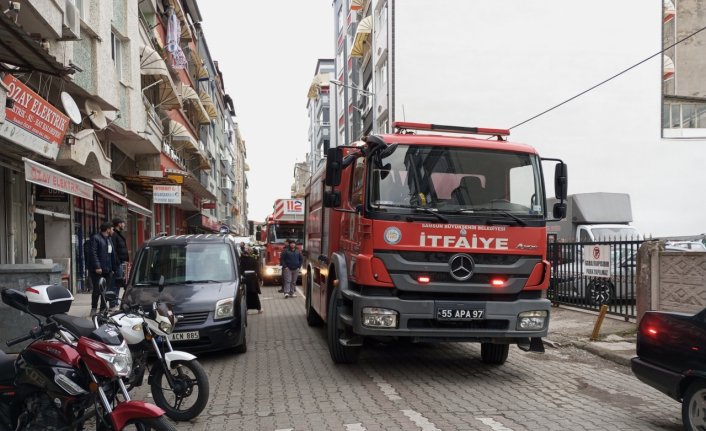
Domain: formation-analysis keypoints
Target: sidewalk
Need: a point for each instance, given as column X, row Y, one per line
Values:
column 567, row 327
column 573, row 327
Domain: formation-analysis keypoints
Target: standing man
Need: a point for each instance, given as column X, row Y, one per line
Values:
column 291, row 260
column 122, row 254
column 101, row 262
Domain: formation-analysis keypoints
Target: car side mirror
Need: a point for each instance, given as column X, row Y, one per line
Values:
column 334, row 166
column 561, row 181
column 161, row 284
column 332, row 199
column 559, row 210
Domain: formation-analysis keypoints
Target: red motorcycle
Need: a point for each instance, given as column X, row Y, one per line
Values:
column 54, row 385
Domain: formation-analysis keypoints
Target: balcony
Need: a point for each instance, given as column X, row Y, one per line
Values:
column 85, row 157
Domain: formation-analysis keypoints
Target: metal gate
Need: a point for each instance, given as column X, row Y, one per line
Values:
column 590, row 274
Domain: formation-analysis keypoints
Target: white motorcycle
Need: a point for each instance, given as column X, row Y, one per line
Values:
column 177, row 380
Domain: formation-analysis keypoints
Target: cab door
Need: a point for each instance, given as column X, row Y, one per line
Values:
column 353, row 208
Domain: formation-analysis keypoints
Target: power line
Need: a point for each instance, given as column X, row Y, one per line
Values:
column 609, row 79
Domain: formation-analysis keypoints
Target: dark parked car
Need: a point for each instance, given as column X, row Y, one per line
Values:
column 671, row 357
column 203, row 283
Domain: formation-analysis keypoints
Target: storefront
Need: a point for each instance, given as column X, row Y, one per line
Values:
column 52, row 236
column 104, row 205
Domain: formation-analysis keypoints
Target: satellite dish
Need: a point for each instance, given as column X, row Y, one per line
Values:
column 96, row 114
column 70, row 107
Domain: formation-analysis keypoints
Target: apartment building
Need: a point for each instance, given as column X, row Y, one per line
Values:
column 319, row 112
column 111, row 109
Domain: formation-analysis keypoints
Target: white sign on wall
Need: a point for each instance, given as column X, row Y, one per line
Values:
column 596, row 261
column 166, row 194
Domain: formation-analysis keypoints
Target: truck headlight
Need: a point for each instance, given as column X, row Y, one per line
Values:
column 532, row 320
column 379, row 317
column 224, row 309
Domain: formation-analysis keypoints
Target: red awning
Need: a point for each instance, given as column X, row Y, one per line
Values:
column 112, row 194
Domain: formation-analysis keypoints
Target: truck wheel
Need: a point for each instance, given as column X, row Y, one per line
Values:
column 339, row 353
column 600, row 292
column 495, row 354
column 693, row 406
column 312, row 317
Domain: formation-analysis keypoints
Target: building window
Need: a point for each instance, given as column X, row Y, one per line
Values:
column 382, row 75
column 116, row 53
column 684, row 115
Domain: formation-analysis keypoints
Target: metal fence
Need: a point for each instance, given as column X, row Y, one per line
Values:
column 590, row 274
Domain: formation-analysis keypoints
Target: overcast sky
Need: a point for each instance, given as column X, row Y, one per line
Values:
column 267, row 51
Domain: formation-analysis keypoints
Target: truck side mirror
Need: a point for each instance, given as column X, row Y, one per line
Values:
column 332, row 199
column 561, row 182
column 334, row 166
column 559, row 210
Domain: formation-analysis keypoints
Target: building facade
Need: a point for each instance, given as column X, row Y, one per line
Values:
column 319, row 112
column 110, row 109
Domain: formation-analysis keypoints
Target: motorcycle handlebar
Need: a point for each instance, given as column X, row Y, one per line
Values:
column 33, row 335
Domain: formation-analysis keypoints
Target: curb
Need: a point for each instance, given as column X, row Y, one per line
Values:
column 603, row 353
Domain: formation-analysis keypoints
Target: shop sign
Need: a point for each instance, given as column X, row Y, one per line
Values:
column 208, row 205
column 50, row 195
column 209, row 222
column 48, row 177
column 32, row 122
column 162, row 194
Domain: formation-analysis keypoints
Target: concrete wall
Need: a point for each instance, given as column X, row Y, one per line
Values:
column 670, row 280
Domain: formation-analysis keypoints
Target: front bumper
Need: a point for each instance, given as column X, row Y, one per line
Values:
column 417, row 318
column 213, row 335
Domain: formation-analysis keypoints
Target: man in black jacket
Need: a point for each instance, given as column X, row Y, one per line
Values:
column 122, row 254
column 101, row 263
column 291, row 260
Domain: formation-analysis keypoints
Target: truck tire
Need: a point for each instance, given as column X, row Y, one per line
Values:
column 340, row 354
column 312, row 317
column 494, row 354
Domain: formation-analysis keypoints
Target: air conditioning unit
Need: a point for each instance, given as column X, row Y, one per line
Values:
column 71, row 29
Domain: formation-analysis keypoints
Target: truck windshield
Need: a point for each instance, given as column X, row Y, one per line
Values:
column 184, row 263
column 456, row 180
column 281, row 233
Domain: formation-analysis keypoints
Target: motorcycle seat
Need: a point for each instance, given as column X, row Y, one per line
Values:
column 7, row 368
column 79, row 326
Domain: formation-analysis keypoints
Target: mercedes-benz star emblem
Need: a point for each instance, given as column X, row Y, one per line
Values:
column 461, row 266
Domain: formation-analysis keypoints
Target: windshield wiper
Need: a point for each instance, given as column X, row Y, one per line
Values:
column 422, row 209
column 200, row 281
column 148, row 283
column 496, row 211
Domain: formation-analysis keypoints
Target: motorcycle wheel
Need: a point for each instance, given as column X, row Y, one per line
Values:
column 157, row 424
column 190, row 382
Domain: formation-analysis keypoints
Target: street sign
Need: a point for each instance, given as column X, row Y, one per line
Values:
column 596, row 261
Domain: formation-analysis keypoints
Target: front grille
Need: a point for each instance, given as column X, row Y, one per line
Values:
column 187, row 319
column 493, row 324
column 445, row 277
column 480, row 259
column 456, row 296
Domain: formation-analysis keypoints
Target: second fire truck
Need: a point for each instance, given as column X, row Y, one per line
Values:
column 285, row 223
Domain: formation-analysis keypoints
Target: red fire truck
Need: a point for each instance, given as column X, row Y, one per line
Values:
column 430, row 237
column 286, row 222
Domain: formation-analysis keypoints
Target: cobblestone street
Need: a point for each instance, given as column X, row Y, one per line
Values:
column 287, row 381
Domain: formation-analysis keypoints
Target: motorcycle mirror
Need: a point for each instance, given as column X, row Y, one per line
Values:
column 15, row 299
column 102, row 284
